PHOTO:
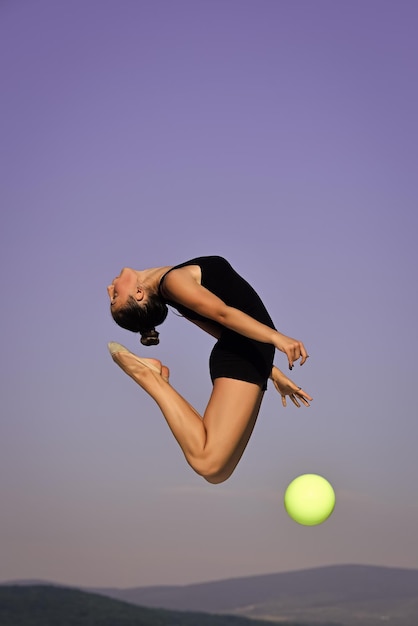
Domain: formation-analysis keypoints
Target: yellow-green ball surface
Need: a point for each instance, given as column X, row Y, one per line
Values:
column 309, row 499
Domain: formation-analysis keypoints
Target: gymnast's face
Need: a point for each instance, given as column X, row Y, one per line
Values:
column 122, row 287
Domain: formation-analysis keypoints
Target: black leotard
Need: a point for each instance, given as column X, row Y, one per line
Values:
column 233, row 356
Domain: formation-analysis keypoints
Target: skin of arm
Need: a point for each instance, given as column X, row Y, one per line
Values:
column 281, row 382
column 209, row 327
column 182, row 287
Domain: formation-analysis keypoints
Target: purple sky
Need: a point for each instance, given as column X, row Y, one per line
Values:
column 279, row 134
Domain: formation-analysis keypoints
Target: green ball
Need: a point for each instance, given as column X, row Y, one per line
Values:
column 309, row 499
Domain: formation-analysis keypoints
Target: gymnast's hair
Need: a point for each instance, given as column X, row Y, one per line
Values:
column 142, row 318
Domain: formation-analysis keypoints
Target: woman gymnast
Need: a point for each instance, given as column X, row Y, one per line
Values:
column 208, row 292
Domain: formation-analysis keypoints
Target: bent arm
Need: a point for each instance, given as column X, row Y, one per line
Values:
column 182, row 288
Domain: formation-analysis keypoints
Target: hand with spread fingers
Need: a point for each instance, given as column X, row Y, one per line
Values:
column 287, row 387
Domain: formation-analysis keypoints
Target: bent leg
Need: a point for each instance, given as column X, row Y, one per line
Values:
column 229, row 420
column 213, row 444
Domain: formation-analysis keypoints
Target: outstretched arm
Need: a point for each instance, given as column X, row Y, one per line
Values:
column 287, row 387
column 181, row 287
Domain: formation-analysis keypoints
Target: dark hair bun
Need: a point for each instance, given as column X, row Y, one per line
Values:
column 150, row 337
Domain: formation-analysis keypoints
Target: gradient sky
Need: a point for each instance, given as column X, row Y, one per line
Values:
column 279, row 134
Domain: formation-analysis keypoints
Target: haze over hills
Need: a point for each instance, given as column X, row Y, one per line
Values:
column 22, row 605
column 348, row 595
column 40, row 605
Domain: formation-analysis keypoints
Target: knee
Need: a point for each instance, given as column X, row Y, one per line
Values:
column 217, row 479
column 214, row 472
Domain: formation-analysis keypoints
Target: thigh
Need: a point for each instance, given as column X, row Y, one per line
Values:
column 230, row 416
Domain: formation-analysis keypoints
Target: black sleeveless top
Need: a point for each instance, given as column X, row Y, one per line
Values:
column 221, row 279
column 233, row 356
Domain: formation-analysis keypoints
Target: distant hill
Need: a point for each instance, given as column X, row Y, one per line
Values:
column 348, row 595
column 351, row 595
column 22, row 605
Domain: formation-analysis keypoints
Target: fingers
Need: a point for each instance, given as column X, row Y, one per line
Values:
column 300, row 396
column 304, row 397
column 305, row 402
column 292, row 355
column 294, row 400
column 296, row 352
column 303, row 354
column 297, row 396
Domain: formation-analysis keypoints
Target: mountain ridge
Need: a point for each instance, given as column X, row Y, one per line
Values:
column 355, row 581
column 351, row 595
column 31, row 605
